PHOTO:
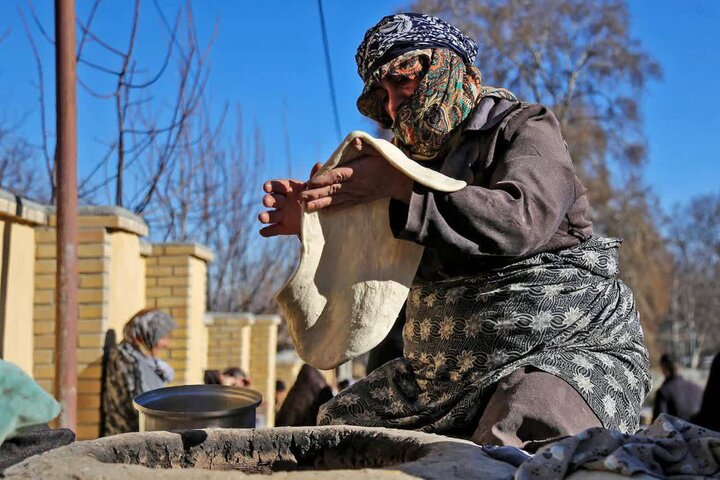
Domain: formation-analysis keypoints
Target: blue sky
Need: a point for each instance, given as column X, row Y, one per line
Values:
column 269, row 54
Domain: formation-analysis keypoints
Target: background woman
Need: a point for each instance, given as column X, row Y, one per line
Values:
column 133, row 368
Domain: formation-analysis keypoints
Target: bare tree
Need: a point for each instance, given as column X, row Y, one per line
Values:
column 146, row 127
column 18, row 171
column 44, row 147
column 692, row 326
column 211, row 195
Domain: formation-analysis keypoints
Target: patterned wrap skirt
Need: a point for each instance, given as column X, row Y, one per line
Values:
column 563, row 312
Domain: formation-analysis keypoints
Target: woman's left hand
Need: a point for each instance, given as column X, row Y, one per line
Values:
column 361, row 180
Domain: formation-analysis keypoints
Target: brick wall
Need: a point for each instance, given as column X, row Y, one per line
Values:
column 229, row 340
column 96, row 227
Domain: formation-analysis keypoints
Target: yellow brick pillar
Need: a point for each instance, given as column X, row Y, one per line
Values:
column 108, row 248
column 263, row 356
column 18, row 219
column 176, row 277
column 229, row 340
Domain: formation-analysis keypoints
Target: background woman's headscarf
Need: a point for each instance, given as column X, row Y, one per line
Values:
column 147, row 327
column 416, row 46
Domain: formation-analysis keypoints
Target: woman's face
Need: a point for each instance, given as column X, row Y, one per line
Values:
column 163, row 343
column 398, row 90
column 231, row 381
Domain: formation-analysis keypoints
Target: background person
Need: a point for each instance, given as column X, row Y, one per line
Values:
column 280, row 394
column 709, row 414
column 302, row 403
column 231, row 376
column 134, row 367
column 677, row 396
column 235, row 377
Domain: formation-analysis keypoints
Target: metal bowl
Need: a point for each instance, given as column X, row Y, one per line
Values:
column 187, row 407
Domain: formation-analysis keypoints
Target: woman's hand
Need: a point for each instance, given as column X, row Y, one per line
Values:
column 284, row 197
column 362, row 180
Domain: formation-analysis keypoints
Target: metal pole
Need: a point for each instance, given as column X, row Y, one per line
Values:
column 66, row 310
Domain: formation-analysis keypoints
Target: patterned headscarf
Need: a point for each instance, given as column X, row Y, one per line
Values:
column 448, row 91
column 147, row 327
column 412, row 46
column 400, row 33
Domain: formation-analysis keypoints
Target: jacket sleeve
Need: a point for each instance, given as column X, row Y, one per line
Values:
column 529, row 192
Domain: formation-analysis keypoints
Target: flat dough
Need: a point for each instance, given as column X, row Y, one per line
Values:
column 354, row 275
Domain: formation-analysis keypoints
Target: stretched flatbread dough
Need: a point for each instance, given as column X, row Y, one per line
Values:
column 354, row 275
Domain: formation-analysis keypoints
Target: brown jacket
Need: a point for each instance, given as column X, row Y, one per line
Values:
column 522, row 198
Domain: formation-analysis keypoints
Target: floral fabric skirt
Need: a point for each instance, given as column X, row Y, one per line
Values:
column 563, row 312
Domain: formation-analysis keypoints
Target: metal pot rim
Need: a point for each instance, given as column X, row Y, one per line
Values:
column 246, row 393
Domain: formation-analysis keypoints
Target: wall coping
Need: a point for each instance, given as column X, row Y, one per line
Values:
column 244, row 318
column 30, row 212
column 192, row 249
column 107, row 216
column 145, row 249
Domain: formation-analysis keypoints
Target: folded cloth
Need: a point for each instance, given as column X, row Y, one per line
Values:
column 513, row 455
column 23, row 402
column 669, row 448
column 32, row 441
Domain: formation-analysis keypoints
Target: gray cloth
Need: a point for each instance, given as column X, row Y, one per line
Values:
column 564, row 312
column 669, row 448
column 523, row 195
column 31, row 441
column 164, row 371
column 678, row 397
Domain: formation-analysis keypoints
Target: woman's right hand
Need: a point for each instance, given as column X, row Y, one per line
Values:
column 284, row 197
